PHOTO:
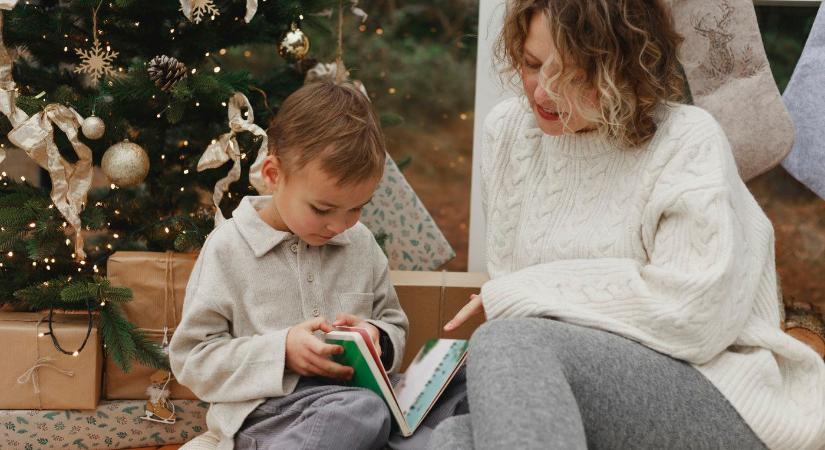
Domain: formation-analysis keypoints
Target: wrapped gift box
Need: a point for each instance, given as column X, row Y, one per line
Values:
column 430, row 300
column 158, row 284
column 396, row 215
column 114, row 425
column 36, row 375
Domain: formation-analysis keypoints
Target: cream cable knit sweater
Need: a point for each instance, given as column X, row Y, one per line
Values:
column 662, row 244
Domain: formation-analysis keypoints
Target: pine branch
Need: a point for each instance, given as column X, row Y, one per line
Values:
column 14, row 218
column 148, row 352
column 45, row 295
column 134, row 87
column 124, row 342
column 117, row 337
column 29, row 104
column 99, row 291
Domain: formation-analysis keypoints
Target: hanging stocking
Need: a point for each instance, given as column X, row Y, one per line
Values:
column 729, row 76
column 805, row 98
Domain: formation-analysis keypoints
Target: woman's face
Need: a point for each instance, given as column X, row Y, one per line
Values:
column 550, row 115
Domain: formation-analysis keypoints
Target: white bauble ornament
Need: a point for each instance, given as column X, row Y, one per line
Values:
column 93, row 127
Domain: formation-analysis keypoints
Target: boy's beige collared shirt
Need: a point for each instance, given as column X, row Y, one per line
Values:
column 249, row 285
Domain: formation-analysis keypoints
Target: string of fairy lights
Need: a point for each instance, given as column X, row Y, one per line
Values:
column 216, row 67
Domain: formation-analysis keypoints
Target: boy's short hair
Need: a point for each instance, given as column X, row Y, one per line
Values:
column 334, row 123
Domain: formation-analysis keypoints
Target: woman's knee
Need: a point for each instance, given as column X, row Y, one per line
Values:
column 499, row 334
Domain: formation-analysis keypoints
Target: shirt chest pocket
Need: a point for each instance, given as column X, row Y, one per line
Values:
column 356, row 303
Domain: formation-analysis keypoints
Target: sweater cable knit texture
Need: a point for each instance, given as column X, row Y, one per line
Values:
column 662, row 244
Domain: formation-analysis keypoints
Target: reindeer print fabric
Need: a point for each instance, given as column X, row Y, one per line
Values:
column 729, row 76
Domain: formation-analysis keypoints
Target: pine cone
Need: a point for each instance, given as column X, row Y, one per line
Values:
column 165, row 71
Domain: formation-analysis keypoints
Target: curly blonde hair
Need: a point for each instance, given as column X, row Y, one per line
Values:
column 626, row 50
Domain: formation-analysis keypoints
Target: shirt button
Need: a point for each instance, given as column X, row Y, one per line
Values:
column 310, row 278
column 315, row 312
column 294, row 248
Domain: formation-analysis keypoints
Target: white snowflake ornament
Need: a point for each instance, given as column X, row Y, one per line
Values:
column 196, row 10
column 96, row 62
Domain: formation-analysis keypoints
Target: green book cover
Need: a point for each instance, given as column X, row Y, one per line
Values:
column 362, row 376
column 420, row 386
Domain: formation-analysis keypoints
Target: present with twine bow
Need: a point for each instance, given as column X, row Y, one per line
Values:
column 51, row 361
column 158, row 284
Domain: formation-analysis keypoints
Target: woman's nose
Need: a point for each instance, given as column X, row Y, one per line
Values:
column 540, row 94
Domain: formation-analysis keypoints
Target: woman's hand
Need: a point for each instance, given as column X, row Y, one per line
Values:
column 473, row 307
column 308, row 356
column 349, row 320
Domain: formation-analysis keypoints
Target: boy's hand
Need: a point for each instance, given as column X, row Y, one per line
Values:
column 308, row 356
column 473, row 307
column 349, row 320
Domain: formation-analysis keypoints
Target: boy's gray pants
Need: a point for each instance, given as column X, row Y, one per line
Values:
column 320, row 414
column 317, row 415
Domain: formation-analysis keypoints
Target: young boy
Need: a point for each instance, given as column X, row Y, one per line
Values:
column 283, row 269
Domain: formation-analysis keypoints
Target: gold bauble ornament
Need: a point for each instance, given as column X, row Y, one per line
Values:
column 294, row 45
column 125, row 163
column 93, row 127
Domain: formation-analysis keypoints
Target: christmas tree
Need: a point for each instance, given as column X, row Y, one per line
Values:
column 141, row 89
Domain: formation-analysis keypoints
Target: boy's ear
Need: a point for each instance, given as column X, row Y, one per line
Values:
column 271, row 172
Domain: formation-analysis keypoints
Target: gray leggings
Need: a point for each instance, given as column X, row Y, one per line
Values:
column 539, row 383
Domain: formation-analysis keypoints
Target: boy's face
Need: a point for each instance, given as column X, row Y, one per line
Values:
column 309, row 203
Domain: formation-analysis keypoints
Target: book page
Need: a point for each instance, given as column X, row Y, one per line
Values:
column 426, row 377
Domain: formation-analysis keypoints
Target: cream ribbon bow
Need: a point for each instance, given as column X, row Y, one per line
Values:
column 226, row 147
column 70, row 182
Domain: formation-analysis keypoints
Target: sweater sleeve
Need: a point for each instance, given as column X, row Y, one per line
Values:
column 690, row 300
column 203, row 353
column 387, row 314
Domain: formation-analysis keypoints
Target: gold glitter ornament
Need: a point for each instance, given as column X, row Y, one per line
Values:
column 125, row 163
column 93, row 127
column 295, row 44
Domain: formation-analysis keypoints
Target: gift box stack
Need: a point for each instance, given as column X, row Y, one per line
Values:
column 51, row 399
column 54, row 398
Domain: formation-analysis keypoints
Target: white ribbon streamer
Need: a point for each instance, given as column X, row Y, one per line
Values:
column 226, row 147
column 70, row 182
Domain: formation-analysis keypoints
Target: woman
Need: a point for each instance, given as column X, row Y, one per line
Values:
column 633, row 297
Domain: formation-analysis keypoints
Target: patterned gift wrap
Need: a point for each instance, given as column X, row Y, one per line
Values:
column 113, row 425
column 406, row 229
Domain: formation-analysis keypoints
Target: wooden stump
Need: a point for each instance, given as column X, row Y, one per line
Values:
column 804, row 322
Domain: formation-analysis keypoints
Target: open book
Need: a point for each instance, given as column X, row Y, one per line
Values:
column 422, row 384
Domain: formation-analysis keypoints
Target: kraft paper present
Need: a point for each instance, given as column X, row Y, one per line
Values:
column 158, row 284
column 36, row 375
